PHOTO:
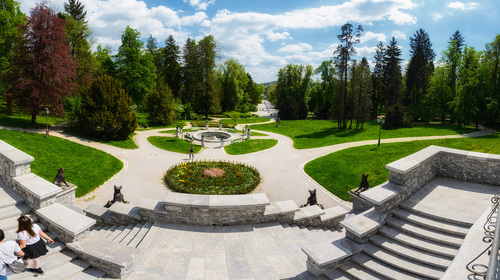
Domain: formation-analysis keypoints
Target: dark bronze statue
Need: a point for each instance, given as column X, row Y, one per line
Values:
column 312, row 200
column 364, row 185
column 117, row 197
column 60, row 178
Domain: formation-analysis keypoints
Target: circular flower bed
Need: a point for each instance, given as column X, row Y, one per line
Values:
column 212, row 177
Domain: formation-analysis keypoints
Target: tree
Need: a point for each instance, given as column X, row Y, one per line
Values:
column 292, row 91
column 10, row 18
column 378, row 96
column 169, row 67
column 321, row 100
column 361, row 86
column 392, row 73
column 106, row 110
column 451, row 58
column 76, row 10
column 419, row 72
column 345, row 49
column 190, row 71
column 492, row 65
column 41, row 69
column 254, row 92
column 234, row 81
column 135, row 69
column 160, row 104
column 208, row 99
column 103, row 57
column 440, row 95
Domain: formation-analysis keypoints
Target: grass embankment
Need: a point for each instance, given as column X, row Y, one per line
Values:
column 341, row 171
column 124, row 144
column 173, row 144
column 85, row 167
column 250, row 146
column 320, row 133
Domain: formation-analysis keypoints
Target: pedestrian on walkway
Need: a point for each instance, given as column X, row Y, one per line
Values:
column 191, row 152
column 8, row 252
column 28, row 235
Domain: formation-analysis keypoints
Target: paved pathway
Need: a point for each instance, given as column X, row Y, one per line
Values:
column 281, row 167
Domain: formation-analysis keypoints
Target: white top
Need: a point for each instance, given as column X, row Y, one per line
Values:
column 7, row 250
column 24, row 235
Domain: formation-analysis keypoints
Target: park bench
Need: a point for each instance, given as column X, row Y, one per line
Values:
column 236, row 140
column 195, row 128
column 232, row 130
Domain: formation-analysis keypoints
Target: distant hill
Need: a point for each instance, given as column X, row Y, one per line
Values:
column 268, row 83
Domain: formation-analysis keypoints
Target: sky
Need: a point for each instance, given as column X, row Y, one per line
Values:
column 266, row 35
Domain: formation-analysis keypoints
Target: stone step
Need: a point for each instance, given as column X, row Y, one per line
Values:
column 100, row 231
column 419, row 242
column 11, row 234
column 394, row 260
column 67, row 270
column 411, row 253
column 54, row 260
column 432, row 223
column 381, row 268
column 413, row 206
column 14, row 211
column 429, row 234
column 358, row 272
column 8, row 197
column 116, row 232
column 108, row 232
column 131, row 234
column 124, row 233
column 135, row 242
column 11, row 222
column 89, row 274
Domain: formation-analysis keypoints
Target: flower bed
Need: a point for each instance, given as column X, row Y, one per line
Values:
column 212, row 177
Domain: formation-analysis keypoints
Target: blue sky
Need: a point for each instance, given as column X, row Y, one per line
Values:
column 266, row 35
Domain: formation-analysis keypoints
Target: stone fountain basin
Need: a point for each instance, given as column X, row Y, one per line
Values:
column 214, row 136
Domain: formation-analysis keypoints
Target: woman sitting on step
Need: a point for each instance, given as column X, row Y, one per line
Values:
column 28, row 237
column 8, row 252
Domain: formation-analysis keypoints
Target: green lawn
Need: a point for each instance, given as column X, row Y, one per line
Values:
column 246, row 120
column 253, row 133
column 85, row 167
column 319, row 133
column 341, row 171
column 250, row 146
column 173, row 144
column 124, row 144
column 24, row 120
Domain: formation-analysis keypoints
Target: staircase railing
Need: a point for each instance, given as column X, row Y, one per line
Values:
column 492, row 235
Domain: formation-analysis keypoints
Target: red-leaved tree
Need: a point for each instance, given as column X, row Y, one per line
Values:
column 41, row 71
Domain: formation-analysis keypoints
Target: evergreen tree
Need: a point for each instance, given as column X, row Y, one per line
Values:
column 208, row 99
column 418, row 73
column 160, row 104
column 378, row 96
column 169, row 67
column 76, row 10
column 135, row 69
column 362, row 89
column 191, row 75
column 392, row 73
column 344, row 51
column 451, row 58
column 41, row 70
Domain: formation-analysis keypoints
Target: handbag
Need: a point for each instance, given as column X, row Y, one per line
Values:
column 18, row 265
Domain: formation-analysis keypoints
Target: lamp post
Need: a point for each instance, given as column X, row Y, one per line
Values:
column 46, row 122
column 381, row 123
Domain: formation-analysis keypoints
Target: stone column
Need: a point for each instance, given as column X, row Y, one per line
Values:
column 222, row 143
column 177, row 131
column 220, row 125
column 203, row 141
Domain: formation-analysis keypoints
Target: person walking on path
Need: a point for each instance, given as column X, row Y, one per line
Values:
column 8, row 252
column 28, row 235
column 191, row 152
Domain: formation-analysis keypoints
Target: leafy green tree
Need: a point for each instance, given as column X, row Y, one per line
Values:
column 208, row 99
column 344, row 51
column 105, row 61
column 361, row 87
column 451, row 57
column 418, row 73
column 76, row 10
column 392, row 73
column 322, row 94
column 135, row 69
column 160, row 104
column 254, row 92
column 169, row 67
column 191, row 76
column 234, row 81
column 492, row 66
column 106, row 110
column 41, row 70
column 10, row 18
column 378, row 96
column 440, row 95
column 292, row 91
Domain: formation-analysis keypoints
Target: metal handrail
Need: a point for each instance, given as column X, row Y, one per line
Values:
column 491, row 274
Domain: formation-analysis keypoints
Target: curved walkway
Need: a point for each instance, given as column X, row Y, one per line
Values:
column 281, row 167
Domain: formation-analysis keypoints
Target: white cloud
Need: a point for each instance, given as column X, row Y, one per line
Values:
column 194, row 19
column 370, row 35
column 463, row 6
column 277, row 36
column 200, row 4
column 436, row 17
column 367, row 52
column 296, row 48
column 399, row 34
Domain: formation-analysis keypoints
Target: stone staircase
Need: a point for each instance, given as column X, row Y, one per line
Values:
column 131, row 235
column 413, row 244
column 59, row 263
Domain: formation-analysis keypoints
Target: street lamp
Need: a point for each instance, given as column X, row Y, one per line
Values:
column 381, row 123
column 46, row 122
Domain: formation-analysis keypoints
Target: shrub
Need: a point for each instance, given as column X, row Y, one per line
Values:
column 160, row 105
column 106, row 110
column 396, row 117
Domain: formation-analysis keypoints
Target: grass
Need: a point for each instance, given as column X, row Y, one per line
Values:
column 86, row 167
column 124, row 144
column 319, row 133
column 341, row 171
column 250, row 146
column 253, row 133
column 24, row 120
column 173, row 144
column 246, row 120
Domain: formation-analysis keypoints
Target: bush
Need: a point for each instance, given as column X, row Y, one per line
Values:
column 160, row 105
column 106, row 110
column 396, row 117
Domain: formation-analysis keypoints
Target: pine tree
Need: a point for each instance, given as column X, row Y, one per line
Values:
column 76, row 10
column 191, row 76
column 41, row 70
column 451, row 57
column 378, row 97
column 419, row 73
column 169, row 67
column 160, row 104
column 392, row 73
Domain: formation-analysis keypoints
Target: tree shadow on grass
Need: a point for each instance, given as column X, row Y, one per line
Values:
column 330, row 132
